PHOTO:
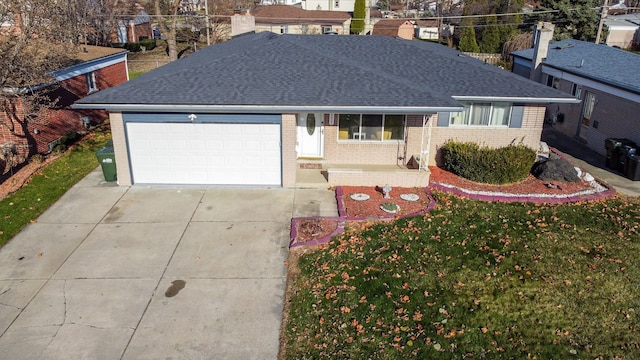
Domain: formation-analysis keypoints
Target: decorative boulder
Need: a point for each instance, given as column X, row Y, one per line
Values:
column 555, row 170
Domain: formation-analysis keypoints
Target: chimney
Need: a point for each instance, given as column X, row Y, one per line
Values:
column 541, row 38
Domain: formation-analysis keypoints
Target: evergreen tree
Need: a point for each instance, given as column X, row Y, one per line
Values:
column 359, row 13
column 468, row 42
column 490, row 42
column 574, row 19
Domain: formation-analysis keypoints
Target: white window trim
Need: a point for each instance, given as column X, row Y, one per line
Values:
column 360, row 140
column 467, row 116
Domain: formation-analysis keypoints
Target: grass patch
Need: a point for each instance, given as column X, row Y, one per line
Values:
column 49, row 184
column 475, row 280
column 135, row 74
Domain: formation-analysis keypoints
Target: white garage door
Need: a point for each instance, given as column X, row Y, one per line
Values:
column 216, row 154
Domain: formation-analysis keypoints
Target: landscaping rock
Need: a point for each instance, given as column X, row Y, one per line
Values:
column 555, row 170
column 588, row 177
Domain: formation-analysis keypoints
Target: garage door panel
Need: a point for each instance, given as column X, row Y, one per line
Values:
column 217, row 154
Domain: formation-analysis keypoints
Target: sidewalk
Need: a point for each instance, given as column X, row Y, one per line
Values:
column 590, row 161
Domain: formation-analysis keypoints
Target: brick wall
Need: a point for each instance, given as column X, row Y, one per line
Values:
column 120, row 149
column 615, row 118
column 529, row 134
column 388, row 152
column 288, row 146
column 399, row 152
column 51, row 124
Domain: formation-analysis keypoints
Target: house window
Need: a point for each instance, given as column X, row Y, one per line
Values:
column 576, row 90
column 552, row 81
column 284, row 29
column 91, row 82
column 371, row 127
column 482, row 114
column 326, row 29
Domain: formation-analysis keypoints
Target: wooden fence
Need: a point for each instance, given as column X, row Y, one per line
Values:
column 492, row 59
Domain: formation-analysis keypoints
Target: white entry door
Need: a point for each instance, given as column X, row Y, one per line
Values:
column 310, row 135
column 587, row 110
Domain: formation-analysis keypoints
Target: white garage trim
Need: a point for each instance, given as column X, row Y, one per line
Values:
column 205, row 153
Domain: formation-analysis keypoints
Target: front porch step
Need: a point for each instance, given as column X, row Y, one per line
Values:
column 371, row 176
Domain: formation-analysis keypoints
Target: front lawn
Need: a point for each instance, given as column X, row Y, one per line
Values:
column 49, row 184
column 474, row 279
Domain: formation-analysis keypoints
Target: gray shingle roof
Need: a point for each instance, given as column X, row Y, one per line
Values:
column 601, row 63
column 322, row 71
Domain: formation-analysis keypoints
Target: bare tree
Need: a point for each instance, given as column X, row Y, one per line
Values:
column 40, row 37
column 168, row 9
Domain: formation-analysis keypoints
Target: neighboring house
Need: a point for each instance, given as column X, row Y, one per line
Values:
column 624, row 31
column 606, row 80
column 401, row 28
column 328, row 5
column 95, row 69
column 286, row 19
column 428, row 30
column 254, row 109
column 132, row 29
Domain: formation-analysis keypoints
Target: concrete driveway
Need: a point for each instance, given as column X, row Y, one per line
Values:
column 151, row 273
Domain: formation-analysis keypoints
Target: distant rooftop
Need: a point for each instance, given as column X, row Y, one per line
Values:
column 598, row 62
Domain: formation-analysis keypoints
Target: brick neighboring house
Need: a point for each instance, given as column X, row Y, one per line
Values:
column 401, row 28
column 286, row 19
column 605, row 80
column 95, row 69
column 255, row 109
column 133, row 28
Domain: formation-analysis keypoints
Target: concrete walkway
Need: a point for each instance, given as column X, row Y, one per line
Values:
column 590, row 161
column 148, row 273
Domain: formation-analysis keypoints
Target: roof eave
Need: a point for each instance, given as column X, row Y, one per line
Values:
column 523, row 100
column 265, row 108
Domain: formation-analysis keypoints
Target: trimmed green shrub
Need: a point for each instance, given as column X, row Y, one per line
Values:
column 487, row 165
column 148, row 44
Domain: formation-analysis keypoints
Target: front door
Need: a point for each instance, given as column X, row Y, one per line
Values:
column 310, row 142
column 587, row 109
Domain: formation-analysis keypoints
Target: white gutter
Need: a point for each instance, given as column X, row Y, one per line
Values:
column 524, row 100
column 265, row 108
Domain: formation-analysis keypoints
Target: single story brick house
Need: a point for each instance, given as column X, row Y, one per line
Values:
column 94, row 68
column 255, row 109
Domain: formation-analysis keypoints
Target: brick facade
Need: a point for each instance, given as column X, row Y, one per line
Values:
column 288, row 146
column 39, row 135
column 529, row 134
column 123, row 169
column 612, row 117
column 399, row 152
column 384, row 153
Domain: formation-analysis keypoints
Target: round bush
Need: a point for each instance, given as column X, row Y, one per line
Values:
column 503, row 165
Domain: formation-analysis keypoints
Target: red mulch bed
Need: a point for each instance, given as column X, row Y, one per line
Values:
column 371, row 208
column 315, row 229
column 530, row 185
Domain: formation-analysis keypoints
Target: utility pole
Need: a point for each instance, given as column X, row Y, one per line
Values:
column 603, row 16
column 206, row 15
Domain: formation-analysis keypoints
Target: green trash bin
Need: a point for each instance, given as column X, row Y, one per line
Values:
column 107, row 159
